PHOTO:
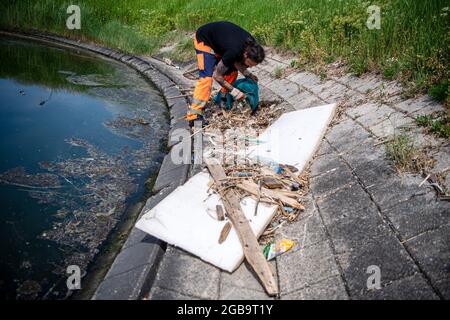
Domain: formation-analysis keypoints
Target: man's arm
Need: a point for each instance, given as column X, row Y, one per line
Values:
column 243, row 69
column 218, row 74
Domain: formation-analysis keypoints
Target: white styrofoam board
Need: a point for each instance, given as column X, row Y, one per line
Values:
column 186, row 218
column 294, row 137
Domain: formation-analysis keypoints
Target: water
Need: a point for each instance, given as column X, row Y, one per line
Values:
column 80, row 135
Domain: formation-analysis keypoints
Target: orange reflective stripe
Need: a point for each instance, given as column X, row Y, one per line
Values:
column 202, row 46
column 200, row 61
column 191, row 116
column 197, row 106
column 202, row 89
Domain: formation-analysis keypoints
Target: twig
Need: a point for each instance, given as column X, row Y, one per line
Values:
column 424, row 180
column 259, row 197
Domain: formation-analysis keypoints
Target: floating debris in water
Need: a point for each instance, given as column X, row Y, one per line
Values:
column 29, row 290
column 19, row 177
column 91, row 192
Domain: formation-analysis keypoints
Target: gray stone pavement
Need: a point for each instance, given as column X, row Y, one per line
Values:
column 359, row 212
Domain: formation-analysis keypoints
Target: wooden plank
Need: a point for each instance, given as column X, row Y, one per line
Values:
column 271, row 183
column 252, row 188
column 219, row 211
column 224, row 233
column 251, row 248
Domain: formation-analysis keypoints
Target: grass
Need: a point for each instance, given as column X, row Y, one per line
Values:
column 183, row 50
column 411, row 45
column 405, row 155
column 278, row 72
column 439, row 125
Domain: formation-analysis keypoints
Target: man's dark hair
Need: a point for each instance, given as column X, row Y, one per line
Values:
column 254, row 50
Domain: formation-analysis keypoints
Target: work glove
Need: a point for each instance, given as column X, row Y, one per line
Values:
column 237, row 94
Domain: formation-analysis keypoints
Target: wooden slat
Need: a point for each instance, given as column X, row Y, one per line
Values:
column 219, row 211
column 252, row 188
column 225, row 231
column 252, row 250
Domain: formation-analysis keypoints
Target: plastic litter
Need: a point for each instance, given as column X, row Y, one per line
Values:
column 273, row 249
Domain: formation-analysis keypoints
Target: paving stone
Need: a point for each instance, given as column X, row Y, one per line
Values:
column 117, row 55
column 385, row 186
column 413, row 104
column 307, row 101
column 283, row 87
column 284, row 60
column 366, row 152
column 444, row 288
column 354, row 99
column 264, row 78
column 323, row 87
column 391, row 126
column 265, row 94
column 419, row 214
column 302, row 95
column 348, row 79
column 244, row 277
column 130, row 285
column 357, row 230
column 306, row 267
column 324, row 148
column 331, row 180
column 269, row 65
column 442, row 157
column 386, row 253
column 346, row 135
column 324, row 164
column 305, row 79
column 429, row 109
column 411, row 288
column 188, row 275
column 350, row 201
column 432, row 252
column 176, row 101
column 163, row 294
column 286, row 106
column 365, row 83
column 370, row 83
column 171, row 173
column 178, row 111
column 307, row 231
column 329, row 289
column 420, row 138
column 388, row 91
column 376, row 171
column 147, row 251
column 370, row 114
column 336, row 94
column 228, row 292
column 136, row 236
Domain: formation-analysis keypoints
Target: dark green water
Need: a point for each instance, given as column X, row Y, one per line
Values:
column 79, row 136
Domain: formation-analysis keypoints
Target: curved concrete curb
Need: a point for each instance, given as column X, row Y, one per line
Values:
column 133, row 270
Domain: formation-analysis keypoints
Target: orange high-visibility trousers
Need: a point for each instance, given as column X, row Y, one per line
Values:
column 206, row 60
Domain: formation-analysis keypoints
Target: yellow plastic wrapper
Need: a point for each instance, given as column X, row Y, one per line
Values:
column 274, row 249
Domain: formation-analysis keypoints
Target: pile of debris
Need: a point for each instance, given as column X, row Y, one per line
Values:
column 231, row 131
column 241, row 116
column 278, row 186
